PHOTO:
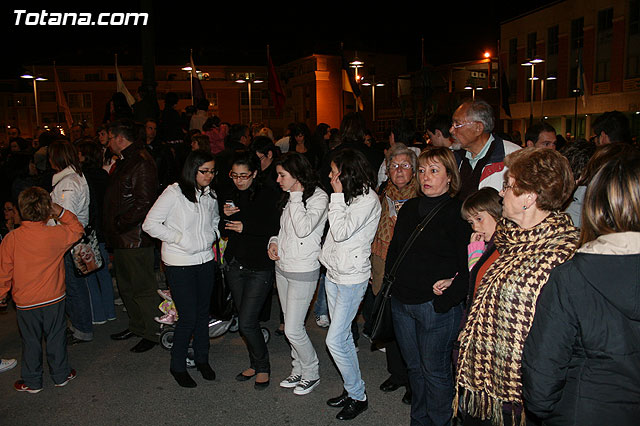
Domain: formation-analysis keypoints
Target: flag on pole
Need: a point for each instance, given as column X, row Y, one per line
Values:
column 505, row 93
column 120, row 86
column 196, row 85
column 275, row 88
column 582, row 81
column 349, row 83
column 62, row 100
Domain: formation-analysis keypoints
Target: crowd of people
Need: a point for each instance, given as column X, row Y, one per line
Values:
column 514, row 263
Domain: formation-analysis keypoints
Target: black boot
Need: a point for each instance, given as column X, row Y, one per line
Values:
column 206, row 371
column 184, row 379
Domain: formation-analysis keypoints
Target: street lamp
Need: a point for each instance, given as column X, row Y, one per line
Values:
column 373, row 94
column 35, row 78
column 248, row 78
column 532, row 63
column 473, row 88
column 356, row 63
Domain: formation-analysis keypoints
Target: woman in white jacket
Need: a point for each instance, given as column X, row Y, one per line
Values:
column 354, row 212
column 185, row 218
column 296, row 249
column 71, row 191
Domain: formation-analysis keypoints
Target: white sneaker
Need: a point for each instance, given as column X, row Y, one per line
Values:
column 7, row 364
column 291, row 381
column 305, row 386
column 323, row 321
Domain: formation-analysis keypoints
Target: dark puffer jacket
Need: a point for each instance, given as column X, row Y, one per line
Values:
column 581, row 361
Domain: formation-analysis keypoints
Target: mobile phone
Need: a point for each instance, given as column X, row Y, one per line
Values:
column 230, row 203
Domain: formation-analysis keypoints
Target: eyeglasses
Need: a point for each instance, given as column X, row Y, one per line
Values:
column 261, row 157
column 506, row 186
column 236, row 176
column 211, row 172
column 459, row 125
column 396, row 166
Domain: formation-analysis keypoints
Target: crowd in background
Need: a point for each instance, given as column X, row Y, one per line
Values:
column 515, row 290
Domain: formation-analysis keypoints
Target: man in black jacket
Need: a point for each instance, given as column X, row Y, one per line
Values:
column 131, row 192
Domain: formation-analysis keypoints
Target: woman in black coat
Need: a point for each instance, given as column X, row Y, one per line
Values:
column 581, row 360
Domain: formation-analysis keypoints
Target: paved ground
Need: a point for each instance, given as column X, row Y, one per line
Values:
column 117, row 387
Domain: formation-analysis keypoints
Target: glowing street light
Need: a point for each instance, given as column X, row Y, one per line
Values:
column 35, row 78
column 248, row 78
column 532, row 63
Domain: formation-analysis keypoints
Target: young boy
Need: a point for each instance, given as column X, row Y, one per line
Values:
column 31, row 265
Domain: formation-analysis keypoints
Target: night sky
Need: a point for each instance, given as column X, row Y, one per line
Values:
column 238, row 35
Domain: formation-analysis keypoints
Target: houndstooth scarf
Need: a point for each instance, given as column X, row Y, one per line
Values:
column 502, row 311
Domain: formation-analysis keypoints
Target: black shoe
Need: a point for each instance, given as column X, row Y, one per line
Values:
column 184, row 379
column 389, row 386
column 261, row 385
column 352, row 409
column 242, row 378
column 73, row 340
column 406, row 398
column 206, row 371
column 123, row 335
column 278, row 332
column 143, row 346
column 338, row 401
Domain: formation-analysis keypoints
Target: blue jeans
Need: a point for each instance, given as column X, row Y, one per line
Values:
column 344, row 301
column 191, row 288
column 78, row 301
column 426, row 341
column 101, row 290
column 249, row 290
column 320, row 307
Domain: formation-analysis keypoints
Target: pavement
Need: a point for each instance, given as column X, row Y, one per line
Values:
column 117, row 387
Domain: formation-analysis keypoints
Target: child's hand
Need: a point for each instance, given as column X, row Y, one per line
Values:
column 477, row 236
column 440, row 286
column 56, row 210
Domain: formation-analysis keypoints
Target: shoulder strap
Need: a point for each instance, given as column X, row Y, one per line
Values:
column 416, row 232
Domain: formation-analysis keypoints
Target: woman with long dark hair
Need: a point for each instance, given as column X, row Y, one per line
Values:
column 71, row 191
column 185, row 218
column 295, row 250
column 301, row 141
column 251, row 218
column 354, row 212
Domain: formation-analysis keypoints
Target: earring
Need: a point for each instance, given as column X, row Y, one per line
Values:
column 524, row 207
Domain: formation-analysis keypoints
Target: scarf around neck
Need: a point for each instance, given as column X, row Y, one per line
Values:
column 502, row 312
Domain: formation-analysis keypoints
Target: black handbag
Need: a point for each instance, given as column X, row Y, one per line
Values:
column 382, row 327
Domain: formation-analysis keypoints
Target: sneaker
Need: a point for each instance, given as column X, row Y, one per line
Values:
column 323, row 321
column 99, row 322
column 291, row 381
column 305, row 386
column 165, row 319
column 234, row 325
column 21, row 387
column 72, row 375
column 165, row 294
column 7, row 364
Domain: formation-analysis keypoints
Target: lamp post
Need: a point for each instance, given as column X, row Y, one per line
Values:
column 373, row 85
column 248, row 78
column 356, row 63
column 542, row 80
column 532, row 63
column 35, row 79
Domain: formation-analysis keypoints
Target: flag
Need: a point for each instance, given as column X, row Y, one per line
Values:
column 275, row 89
column 349, row 83
column 505, row 93
column 197, row 92
column 582, row 81
column 62, row 100
column 120, row 87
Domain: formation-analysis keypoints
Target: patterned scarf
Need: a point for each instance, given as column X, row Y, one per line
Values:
column 502, row 312
column 398, row 197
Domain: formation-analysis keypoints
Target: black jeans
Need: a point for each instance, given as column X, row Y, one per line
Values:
column 249, row 289
column 191, row 288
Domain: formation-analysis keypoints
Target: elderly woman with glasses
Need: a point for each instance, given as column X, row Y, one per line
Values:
column 426, row 324
column 531, row 239
column 251, row 217
column 401, row 186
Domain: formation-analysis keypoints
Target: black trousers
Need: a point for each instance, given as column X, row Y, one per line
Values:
column 191, row 288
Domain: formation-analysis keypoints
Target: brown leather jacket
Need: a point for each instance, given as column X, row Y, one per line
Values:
column 132, row 190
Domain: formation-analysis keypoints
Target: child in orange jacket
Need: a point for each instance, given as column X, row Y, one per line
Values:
column 31, row 266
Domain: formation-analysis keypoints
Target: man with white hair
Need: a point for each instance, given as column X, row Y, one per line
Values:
column 481, row 159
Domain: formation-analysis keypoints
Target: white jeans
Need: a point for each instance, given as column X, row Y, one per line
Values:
column 295, row 298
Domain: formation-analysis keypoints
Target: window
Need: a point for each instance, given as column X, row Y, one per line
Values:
column 47, row 96
column 633, row 42
column 531, row 45
column 79, row 100
column 577, row 33
column 552, row 40
column 513, row 51
column 603, row 45
column 92, row 77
